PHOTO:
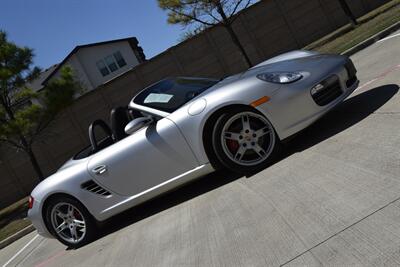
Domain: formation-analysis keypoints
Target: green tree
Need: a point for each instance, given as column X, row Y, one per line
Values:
column 207, row 13
column 24, row 113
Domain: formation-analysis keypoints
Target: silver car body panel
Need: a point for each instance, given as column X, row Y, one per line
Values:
column 101, row 207
column 165, row 155
column 156, row 153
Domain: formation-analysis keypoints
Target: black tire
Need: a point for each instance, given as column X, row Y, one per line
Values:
column 221, row 152
column 81, row 213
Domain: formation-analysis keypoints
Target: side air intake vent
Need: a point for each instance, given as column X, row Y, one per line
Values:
column 93, row 187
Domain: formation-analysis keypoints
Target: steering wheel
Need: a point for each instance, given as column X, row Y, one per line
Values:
column 92, row 136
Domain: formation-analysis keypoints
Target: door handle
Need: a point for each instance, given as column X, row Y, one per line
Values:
column 100, row 169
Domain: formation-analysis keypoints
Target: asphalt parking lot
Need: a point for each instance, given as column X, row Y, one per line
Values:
column 332, row 199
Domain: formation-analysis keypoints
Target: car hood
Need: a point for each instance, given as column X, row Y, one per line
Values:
column 311, row 64
column 287, row 56
column 296, row 61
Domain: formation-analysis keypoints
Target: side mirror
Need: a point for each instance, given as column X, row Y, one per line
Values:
column 137, row 124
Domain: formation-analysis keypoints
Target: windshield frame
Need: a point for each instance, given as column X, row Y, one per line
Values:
column 161, row 113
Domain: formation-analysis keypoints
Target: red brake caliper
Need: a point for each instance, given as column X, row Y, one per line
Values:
column 232, row 145
column 77, row 215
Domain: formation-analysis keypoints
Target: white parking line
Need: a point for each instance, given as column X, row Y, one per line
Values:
column 20, row 251
column 389, row 37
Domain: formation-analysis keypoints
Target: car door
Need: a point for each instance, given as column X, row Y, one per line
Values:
column 143, row 160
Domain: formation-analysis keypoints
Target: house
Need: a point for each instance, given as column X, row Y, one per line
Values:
column 96, row 63
column 37, row 84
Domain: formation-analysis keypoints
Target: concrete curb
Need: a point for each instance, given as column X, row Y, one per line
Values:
column 16, row 236
column 372, row 40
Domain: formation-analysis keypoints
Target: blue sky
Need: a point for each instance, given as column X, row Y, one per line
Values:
column 54, row 27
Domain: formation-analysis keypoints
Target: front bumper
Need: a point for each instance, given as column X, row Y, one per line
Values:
column 35, row 216
column 300, row 125
column 293, row 107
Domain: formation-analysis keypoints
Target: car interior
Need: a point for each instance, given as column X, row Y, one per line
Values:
column 110, row 133
column 167, row 95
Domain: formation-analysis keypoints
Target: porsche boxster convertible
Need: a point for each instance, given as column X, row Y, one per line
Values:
column 180, row 129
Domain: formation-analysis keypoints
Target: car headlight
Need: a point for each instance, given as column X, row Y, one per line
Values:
column 280, row 77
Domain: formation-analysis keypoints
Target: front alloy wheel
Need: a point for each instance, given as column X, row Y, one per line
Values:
column 244, row 140
column 70, row 222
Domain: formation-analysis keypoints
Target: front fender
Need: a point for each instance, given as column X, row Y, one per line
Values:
column 243, row 92
column 68, row 181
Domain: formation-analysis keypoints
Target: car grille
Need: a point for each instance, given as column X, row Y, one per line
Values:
column 93, row 187
column 351, row 71
column 330, row 91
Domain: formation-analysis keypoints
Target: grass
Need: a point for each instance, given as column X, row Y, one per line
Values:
column 348, row 36
column 13, row 218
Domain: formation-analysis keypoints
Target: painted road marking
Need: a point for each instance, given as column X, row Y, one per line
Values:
column 379, row 77
column 51, row 259
column 366, row 84
column 20, row 251
column 389, row 37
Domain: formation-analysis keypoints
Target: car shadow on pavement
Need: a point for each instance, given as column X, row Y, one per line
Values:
column 168, row 200
column 349, row 113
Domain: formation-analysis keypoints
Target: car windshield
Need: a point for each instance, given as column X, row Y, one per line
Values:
column 170, row 94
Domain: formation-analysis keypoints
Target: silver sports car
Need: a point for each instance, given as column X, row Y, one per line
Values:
column 179, row 129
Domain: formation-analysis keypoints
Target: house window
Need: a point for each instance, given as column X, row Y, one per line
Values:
column 102, row 68
column 110, row 63
column 120, row 60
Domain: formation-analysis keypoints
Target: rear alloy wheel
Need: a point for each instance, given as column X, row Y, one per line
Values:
column 70, row 222
column 244, row 140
